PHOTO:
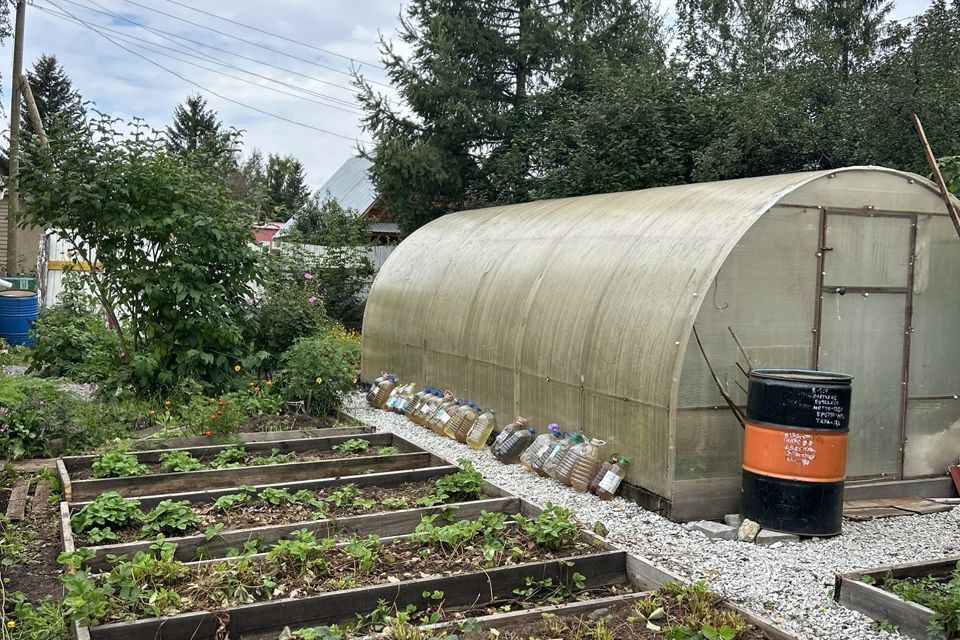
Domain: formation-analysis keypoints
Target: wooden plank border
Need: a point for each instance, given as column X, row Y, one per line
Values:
column 602, row 569
column 384, row 524
column 183, row 442
column 164, row 483
column 910, row 618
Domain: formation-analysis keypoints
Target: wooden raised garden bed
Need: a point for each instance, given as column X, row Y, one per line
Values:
column 589, row 564
column 185, row 442
column 345, row 520
column 76, row 473
column 864, row 591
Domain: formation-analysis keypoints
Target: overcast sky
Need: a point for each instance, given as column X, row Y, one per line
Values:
column 123, row 84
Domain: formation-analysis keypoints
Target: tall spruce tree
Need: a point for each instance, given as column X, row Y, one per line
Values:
column 197, row 131
column 59, row 104
column 286, row 186
column 473, row 87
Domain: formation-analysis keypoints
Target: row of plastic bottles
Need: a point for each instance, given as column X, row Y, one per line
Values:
column 571, row 459
column 437, row 410
column 568, row 458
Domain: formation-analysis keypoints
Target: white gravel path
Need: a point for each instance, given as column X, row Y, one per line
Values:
column 791, row 584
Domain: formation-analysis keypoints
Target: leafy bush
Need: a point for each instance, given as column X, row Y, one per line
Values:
column 320, row 370
column 110, row 510
column 179, row 461
column 72, row 340
column 118, row 464
column 170, row 517
column 33, row 415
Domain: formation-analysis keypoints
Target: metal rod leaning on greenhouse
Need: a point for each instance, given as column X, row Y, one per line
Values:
column 938, row 177
column 726, row 396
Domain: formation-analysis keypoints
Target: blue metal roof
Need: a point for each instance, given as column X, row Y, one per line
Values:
column 350, row 186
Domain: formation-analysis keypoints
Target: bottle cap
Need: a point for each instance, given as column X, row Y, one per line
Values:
column 520, row 421
column 553, row 428
column 531, row 430
column 624, row 461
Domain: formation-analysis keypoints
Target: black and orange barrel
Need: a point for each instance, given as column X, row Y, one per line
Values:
column 795, row 450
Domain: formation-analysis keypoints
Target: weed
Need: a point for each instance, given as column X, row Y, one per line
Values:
column 44, row 620
column 940, row 595
column 118, row 464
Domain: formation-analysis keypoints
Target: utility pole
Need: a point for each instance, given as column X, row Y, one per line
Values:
column 13, row 191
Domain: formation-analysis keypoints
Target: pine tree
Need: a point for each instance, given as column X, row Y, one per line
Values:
column 196, row 130
column 57, row 101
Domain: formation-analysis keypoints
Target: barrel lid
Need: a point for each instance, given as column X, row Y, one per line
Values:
column 18, row 294
column 802, row 375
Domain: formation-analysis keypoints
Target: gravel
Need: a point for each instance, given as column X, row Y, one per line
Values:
column 791, row 584
column 83, row 391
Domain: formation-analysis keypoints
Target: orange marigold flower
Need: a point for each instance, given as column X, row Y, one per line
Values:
column 208, row 433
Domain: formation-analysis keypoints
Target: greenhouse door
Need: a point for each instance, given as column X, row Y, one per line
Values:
column 863, row 330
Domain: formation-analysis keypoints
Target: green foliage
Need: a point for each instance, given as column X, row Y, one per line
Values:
column 58, row 103
column 940, row 595
column 395, row 503
column 345, row 268
column 230, row 458
column 704, row 617
column 72, row 340
column 464, row 485
column 170, row 518
column 197, row 134
column 950, row 169
column 553, row 528
column 320, row 370
column 388, row 451
column 35, row 413
column 286, row 186
column 230, row 501
column 179, row 461
column 43, row 620
column 14, row 542
column 175, row 265
column 118, row 464
column 486, row 528
column 109, row 510
column 303, row 550
column 275, row 457
column 353, row 445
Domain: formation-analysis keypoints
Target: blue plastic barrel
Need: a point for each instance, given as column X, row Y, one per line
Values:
column 18, row 312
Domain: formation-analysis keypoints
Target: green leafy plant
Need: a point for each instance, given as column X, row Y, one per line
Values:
column 42, row 620
column 118, row 464
column 170, row 517
column 552, row 528
column 275, row 457
column 395, row 503
column 179, row 461
column 319, row 371
column 108, row 510
column 353, row 445
column 231, row 501
column 230, row 458
column 303, row 550
column 364, row 551
column 388, row 451
column 938, row 594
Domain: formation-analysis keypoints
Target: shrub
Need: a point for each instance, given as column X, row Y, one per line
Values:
column 72, row 340
column 320, row 370
column 34, row 416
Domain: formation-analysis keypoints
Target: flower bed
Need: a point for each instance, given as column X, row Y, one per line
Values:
column 919, row 599
column 155, row 472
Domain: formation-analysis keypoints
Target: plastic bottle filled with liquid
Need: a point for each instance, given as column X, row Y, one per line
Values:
column 518, row 423
column 444, row 413
column 611, row 481
column 415, row 403
column 542, row 441
column 549, row 467
column 480, row 431
column 372, row 393
column 394, row 396
column 466, row 422
column 602, row 471
column 430, row 405
column 586, row 465
column 384, row 389
column 462, row 410
column 565, row 468
column 409, row 397
column 517, row 442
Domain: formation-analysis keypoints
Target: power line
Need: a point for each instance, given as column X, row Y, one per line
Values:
column 203, row 88
column 277, row 35
column 324, row 99
column 142, row 44
column 250, row 42
column 204, row 44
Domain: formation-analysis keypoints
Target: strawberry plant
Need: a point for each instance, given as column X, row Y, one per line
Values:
column 353, row 445
column 179, row 461
column 395, row 503
column 388, row 451
column 466, row 484
column 553, row 528
column 170, row 518
column 230, row 501
column 230, row 458
column 118, row 464
column 110, row 511
column 275, row 457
